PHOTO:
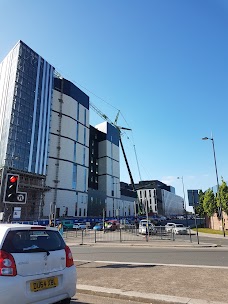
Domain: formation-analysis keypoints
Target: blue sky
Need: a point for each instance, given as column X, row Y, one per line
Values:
column 162, row 63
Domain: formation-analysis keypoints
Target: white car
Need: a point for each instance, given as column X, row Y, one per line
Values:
column 36, row 266
column 180, row 229
column 143, row 228
column 169, row 227
column 176, row 228
column 79, row 226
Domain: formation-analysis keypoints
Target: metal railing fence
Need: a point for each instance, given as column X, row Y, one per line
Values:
column 123, row 235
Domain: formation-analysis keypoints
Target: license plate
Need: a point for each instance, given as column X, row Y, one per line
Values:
column 43, row 284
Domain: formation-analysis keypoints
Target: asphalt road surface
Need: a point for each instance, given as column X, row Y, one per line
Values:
column 192, row 268
column 208, row 256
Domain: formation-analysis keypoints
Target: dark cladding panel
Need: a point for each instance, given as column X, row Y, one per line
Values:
column 72, row 90
column 113, row 135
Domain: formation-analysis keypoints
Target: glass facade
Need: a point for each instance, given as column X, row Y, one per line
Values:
column 28, row 130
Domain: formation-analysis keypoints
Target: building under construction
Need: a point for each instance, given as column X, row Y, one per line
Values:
column 26, row 82
column 66, row 167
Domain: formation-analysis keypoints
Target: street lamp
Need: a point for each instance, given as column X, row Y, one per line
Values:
column 216, row 171
column 147, row 218
column 185, row 207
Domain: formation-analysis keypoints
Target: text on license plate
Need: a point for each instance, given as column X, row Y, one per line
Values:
column 44, row 284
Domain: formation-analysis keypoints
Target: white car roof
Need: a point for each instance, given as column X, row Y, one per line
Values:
column 4, row 227
column 17, row 225
column 7, row 226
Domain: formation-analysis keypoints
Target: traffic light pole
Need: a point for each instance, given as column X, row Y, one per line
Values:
column 2, row 189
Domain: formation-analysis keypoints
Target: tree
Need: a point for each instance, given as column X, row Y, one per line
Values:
column 200, row 208
column 209, row 203
column 223, row 192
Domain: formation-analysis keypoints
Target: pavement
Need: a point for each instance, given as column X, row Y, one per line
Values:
column 154, row 283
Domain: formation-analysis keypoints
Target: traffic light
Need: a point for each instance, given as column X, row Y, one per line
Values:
column 11, row 194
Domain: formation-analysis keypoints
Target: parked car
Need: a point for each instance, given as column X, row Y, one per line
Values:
column 112, row 225
column 79, row 226
column 67, row 224
column 176, row 228
column 36, row 266
column 180, row 229
column 98, row 227
column 143, row 228
column 169, row 227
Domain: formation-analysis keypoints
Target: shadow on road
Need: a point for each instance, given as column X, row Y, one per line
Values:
column 126, row 266
column 74, row 301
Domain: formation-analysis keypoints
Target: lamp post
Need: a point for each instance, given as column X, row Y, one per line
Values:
column 185, row 207
column 216, row 171
column 147, row 218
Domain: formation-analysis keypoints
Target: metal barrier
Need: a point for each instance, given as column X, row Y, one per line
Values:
column 124, row 234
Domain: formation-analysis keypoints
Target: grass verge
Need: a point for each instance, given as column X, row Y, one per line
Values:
column 211, row 231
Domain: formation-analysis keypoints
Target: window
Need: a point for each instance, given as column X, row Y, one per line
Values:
column 84, row 155
column 77, row 112
column 76, row 209
column 85, row 117
column 85, row 179
column 74, row 176
column 33, row 241
column 84, row 136
column 74, row 157
column 77, row 131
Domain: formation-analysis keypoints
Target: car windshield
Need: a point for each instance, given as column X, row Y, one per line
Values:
column 144, row 224
column 179, row 225
column 18, row 241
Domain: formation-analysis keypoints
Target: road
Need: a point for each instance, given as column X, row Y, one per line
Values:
column 187, row 267
column 209, row 256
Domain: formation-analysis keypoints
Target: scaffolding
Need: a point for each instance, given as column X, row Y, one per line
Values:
column 59, row 132
column 34, row 186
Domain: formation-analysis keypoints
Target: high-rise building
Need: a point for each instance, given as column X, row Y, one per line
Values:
column 104, row 176
column 26, row 82
column 66, row 166
column 44, row 135
column 68, row 153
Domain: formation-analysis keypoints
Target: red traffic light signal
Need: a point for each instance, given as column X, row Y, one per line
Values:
column 13, row 179
column 11, row 195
